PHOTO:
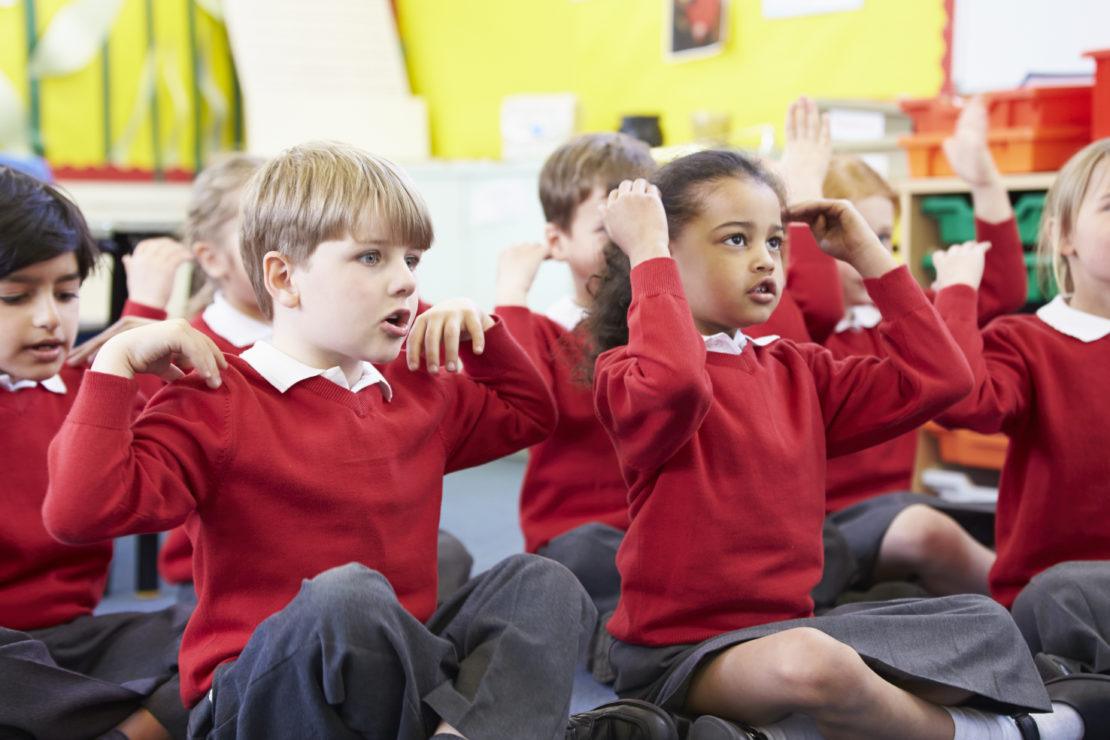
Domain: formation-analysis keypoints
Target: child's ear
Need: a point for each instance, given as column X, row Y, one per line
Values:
column 556, row 241
column 278, row 273
column 211, row 259
column 1052, row 227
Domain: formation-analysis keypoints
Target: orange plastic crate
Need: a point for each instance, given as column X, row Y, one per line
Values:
column 1015, row 150
column 1100, row 108
column 930, row 115
column 1040, row 107
column 971, row 449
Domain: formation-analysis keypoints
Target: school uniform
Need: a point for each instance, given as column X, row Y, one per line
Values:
column 233, row 332
column 1063, row 612
column 63, row 672
column 726, row 494
column 313, row 506
column 1041, row 380
column 573, row 505
column 866, row 490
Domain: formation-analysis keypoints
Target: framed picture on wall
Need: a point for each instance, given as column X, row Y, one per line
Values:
column 695, row 28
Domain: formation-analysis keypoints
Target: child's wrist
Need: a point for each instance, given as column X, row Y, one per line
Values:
column 641, row 254
column 112, row 359
column 511, row 295
column 873, row 261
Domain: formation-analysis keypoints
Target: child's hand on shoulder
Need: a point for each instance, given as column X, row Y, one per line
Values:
column 516, row 270
column 444, row 326
column 86, row 351
column 960, row 264
column 967, row 150
column 636, row 222
column 151, row 269
column 808, row 150
column 167, row 349
column 843, row 233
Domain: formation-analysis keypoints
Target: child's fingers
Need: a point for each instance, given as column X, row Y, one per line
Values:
column 624, row 187
column 433, row 335
column 416, row 342
column 452, row 330
column 826, row 135
column 792, row 121
column 812, row 119
column 171, row 373
column 472, row 322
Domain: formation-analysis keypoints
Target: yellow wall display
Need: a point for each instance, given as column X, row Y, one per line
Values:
column 464, row 57
column 102, row 113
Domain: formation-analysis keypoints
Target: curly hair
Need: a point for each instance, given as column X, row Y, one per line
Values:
column 682, row 186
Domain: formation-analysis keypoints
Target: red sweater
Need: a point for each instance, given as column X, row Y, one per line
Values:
column 572, row 476
column 812, row 304
column 888, row 467
column 725, row 455
column 278, row 487
column 175, row 560
column 1048, row 393
column 43, row 583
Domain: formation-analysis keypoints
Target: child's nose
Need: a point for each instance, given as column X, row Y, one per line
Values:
column 762, row 259
column 46, row 313
column 404, row 281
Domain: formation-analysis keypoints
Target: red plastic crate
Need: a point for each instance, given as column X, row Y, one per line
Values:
column 1040, row 107
column 1100, row 108
column 1015, row 150
column 930, row 115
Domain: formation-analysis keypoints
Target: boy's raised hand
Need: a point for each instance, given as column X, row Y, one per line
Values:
column 967, row 150
column 808, row 150
column 86, row 351
column 960, row 264
column 843, row 233
column 445, row 325
column 151, row 268
column 516, row 271
column 636, row 222
column 167, row 349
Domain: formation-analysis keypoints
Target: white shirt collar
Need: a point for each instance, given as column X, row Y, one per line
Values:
column 234, row 325
column 865, row 316
column 283, row 372
column 54, row 384
column 1077, row 324
column 723, row 343
column 566, row 312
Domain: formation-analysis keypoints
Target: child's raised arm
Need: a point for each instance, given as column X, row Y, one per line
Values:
column 653, row 394
column 1005, row 279
column 110, row 476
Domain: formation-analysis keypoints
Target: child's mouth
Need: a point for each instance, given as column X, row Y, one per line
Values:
column 764, row 291
column 47, row 351
column 397, row 323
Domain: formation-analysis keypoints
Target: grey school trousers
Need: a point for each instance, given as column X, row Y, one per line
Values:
column 82, row 678
column 1065, row 611
column 345, row 660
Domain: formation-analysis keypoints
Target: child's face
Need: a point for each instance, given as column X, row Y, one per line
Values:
column 356, row 299
column 1087, row 248
column 582, row 244
column 878, row 212
column 235, row 284
column 38, row 317
column 730, row 256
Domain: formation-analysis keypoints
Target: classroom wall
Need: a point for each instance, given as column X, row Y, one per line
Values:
column 464, row 57
column 102, row 113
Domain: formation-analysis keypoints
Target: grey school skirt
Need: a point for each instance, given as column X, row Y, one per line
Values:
column 864, row 525
column 964, row 642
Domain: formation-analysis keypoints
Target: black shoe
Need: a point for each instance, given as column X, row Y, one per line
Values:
column 1088, row 694
column 1053, row 666
column 627, row 719
column 715, row 728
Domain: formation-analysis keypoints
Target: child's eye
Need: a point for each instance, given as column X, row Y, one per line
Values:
column 412, row 260
column 67, row 296
column 13, row 300
column 736, row 240
column 370, row 258
column 775, row 243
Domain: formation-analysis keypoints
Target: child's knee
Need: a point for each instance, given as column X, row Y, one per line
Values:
column 350, row 588
column 814, row 670
column 920, row 533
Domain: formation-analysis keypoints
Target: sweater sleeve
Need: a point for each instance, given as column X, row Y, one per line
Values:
column 814, row 282
column 499, row 405
column 653, row 394
column 533, row 336
column 110, row 476
column 870, row 399
column 1005, row 280
column 143, row 311
column 1001, row 390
